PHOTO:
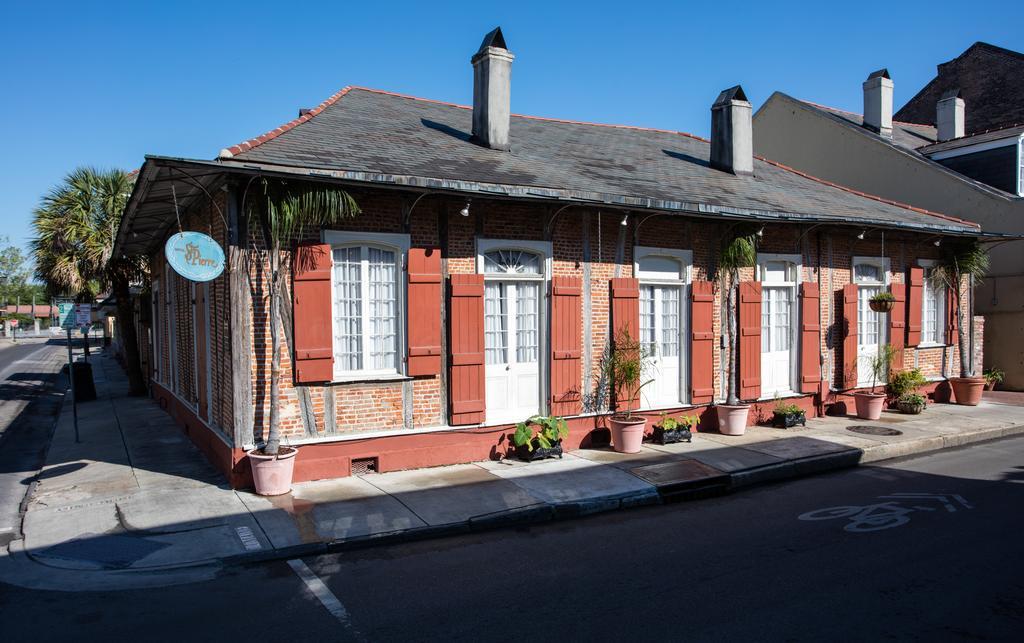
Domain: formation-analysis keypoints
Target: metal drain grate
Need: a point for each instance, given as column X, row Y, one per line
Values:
column 363, row 466
column 873, row 430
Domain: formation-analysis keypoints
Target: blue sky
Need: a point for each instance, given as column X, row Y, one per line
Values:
column 90, row 83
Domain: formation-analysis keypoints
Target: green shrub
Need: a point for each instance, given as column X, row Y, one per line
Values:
column 550, row 429
column 670, row 423
column 905, row 382
column 787, row 409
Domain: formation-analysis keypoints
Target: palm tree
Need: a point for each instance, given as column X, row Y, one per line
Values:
column 76, row 224
column 283, row 212
column 962, row 259
column 738, row 250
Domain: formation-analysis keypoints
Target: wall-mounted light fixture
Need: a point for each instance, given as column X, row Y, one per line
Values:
column 861, row 235
column 625, row 219
column 760, row 232
column 465, row 210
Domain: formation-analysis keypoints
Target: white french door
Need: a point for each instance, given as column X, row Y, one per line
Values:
column 661, row 315
column 870, row 333
column 512, row 341
column 776, row 340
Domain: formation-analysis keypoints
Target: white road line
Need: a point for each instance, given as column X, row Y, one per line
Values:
column 324, row 595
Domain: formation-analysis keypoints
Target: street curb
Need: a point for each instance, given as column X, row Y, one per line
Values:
column 552, row 511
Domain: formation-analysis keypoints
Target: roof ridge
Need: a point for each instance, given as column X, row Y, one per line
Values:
column 873, row 197
column 245, row 146
column 846, row 111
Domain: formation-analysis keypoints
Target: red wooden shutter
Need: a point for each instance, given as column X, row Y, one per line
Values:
column 810, row 338
column 849, row 335
column 750, row 340
column 566, row 340
column 424, row 311
column 915, row 292
column 897, row 325
column 702, row 342
column 952, row 305
column 466, row 372
column 625, row 309
column 311, row 313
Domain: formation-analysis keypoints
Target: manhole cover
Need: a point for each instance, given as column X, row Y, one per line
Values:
column 873, row 430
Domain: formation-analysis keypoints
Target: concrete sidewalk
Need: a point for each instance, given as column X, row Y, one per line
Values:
column 136, row 495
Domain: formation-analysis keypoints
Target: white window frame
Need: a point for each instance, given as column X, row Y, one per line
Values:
column 685, row 258
column 544, row 249
column 399, row 244
column 794, row 314
column 883, row 327
column 940, row 308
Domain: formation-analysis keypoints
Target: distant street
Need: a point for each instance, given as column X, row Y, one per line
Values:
column 925, row 549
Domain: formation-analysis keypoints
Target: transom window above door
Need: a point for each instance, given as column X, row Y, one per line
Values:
column 512, row 262
column 865, row 272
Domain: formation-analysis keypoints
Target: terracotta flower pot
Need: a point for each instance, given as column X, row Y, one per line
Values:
column 732, row 420
column 967, row 390
column 869, row 405
column 627, row 435
column 272, row 475
column 990, row 385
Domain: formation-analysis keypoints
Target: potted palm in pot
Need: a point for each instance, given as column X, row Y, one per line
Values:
column 963, row 261
column 623, row 369
column 283, row 212
column 870, row 403
column 737, row 250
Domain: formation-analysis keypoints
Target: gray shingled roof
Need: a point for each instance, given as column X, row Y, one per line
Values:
column 907, row 135
column 974, row 139
column 383, row 134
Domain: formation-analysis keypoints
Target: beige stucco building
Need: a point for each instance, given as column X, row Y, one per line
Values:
column 908, row 163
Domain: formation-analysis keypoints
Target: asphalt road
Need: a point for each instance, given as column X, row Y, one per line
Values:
column 28, row 407
column 769, row 564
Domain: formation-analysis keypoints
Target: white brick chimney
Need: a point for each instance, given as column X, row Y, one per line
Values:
column 950, row 113
column 732, row 139
column 492, row 87
column 878, row 102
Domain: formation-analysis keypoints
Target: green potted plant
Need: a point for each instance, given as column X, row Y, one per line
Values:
column 738, row 249
column 911, row 403
column 904, row 382
column 992, row 377
column 963, row 261
column 670, row 429
column 882, row 302
column 869, row 403
column 786, row 416
column 540, row 437
column 623, row 368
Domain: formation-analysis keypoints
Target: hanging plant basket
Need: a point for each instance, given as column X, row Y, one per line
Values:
column 882, row 302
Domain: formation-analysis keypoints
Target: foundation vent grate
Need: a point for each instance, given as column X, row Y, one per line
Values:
column 363, row 466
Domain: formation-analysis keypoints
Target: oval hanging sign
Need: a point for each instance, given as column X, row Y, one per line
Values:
column 194, row 256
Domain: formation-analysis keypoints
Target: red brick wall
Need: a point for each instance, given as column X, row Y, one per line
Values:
column 384, row 406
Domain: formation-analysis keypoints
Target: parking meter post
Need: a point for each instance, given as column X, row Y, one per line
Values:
column 71, row 376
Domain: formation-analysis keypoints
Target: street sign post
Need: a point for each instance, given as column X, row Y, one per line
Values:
column 66, row 315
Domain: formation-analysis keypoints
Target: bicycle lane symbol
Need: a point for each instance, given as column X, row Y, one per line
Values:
column 886, row 515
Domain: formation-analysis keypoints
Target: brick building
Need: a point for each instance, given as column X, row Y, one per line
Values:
column 493, row 259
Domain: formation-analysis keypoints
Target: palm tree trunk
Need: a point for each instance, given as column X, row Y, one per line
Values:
column 961, row 331
column 274, row 432
column 732, row 386
column 129, row 338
